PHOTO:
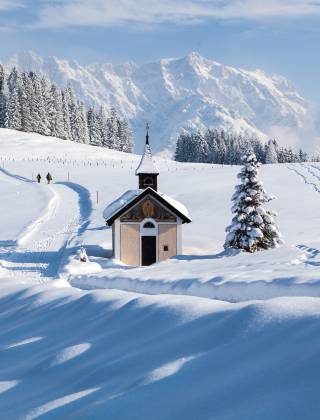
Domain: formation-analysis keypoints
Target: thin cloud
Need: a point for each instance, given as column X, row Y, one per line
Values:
column 66, row 13
column 6, row 5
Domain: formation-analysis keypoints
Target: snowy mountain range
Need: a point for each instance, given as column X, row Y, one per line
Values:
column 189, row 92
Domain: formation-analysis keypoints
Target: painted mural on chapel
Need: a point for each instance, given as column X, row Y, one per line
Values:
column 148, row 208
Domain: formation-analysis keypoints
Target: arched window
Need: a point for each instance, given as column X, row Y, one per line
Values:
column 148, row 181
column 149, row 225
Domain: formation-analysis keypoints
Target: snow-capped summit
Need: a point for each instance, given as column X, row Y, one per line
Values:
column 190, row 92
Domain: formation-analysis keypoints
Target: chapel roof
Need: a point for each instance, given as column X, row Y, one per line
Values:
column 131, row 197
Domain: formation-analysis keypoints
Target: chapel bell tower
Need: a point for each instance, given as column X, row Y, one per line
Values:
column 147, row 170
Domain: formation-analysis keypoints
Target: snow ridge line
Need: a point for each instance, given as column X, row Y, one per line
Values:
column 229, row 292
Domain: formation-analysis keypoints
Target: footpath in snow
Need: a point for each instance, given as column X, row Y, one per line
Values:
column 37, row 252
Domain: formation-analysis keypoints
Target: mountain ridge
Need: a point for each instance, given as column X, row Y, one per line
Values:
column 191, row 92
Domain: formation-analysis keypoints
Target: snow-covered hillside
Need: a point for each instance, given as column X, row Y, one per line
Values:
column 190, row 92
column 161, row 346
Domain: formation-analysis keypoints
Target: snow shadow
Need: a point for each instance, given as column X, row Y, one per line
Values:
column 98, row 251
column 15, row 176
column 44, row 263
column 8, row 243
column 222, row 254
column 311, row 254
column 119, row 345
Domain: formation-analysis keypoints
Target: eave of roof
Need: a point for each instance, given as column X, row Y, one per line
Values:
column 137, row 198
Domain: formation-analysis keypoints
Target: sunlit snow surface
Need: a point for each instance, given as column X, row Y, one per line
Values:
column 123, row 354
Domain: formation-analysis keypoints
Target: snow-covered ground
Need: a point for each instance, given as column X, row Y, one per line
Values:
column 120, row 354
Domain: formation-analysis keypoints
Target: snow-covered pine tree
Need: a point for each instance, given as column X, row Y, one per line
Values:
column 112, row 130
column 201, row 151
column 124, row 136
column 45, row 87
column 303, row 157
column 72, row 107
column 13, row 79
column 253, row 227
column 38, row 107
column 66, row 115
column 55, row 111
column 271, row 153
column 26, row 100
column 180, row 153
column 13, row 112
column 81, row 124
column 93, row 128
column 222, row 147
column 102, row 126
column 3, row 96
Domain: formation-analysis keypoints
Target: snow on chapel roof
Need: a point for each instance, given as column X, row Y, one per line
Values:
column 147, row 165
column 117, row 206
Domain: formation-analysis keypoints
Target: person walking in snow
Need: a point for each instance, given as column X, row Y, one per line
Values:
column 38, row 178
column 49, row 177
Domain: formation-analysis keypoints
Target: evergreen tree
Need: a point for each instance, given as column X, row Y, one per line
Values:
column 303, row 157
column 271, row 153
column 55, row 109
column 26, row 98
column 81, row 123
column 38, row 108
column 13, row 79
column 66, row 115
column 94, row 128
column 45, row 87
column 253, row 227
column 72, row 110
column 124, row 136
column 3, row 96
column 112, row 130
column 102, row 127
column 13, row 114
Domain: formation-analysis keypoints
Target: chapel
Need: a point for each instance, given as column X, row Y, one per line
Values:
column 146, row 224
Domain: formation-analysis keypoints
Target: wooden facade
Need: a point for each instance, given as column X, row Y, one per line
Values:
column 149, row 233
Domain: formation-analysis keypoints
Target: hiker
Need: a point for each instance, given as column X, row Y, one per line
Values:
column 49, row 177
column 38, row 178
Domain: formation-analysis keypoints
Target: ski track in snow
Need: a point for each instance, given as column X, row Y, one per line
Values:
column 310, row 175
column 305, row 175
column 37, row 254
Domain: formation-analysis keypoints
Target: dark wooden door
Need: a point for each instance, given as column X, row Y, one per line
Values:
column 149, row 249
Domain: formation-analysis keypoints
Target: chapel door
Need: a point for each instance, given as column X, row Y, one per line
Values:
column 149, row 249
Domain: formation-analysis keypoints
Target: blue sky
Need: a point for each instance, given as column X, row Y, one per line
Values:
column 280, row 36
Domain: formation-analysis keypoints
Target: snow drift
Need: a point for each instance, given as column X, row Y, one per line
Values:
column 110, row 354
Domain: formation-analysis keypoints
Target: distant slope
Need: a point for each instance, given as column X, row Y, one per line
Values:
column 188, row 92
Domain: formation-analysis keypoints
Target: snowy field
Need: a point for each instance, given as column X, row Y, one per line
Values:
column 224, row 351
